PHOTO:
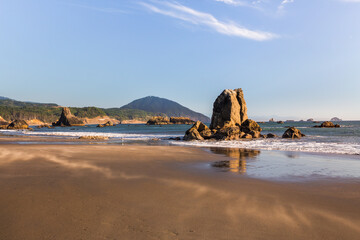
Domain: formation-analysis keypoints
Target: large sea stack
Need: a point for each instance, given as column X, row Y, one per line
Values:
column 229, row 109
column 229, row 120
column 68, row 120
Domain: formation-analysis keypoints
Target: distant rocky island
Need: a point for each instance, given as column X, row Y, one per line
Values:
column 138, row 111
column 335, row 119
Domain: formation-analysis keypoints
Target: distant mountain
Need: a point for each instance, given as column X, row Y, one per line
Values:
column 48, row 112
column 164, row 106
column 4, row 101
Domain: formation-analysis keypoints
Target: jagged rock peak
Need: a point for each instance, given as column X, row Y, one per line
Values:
column 229, row 109
column 68, row 120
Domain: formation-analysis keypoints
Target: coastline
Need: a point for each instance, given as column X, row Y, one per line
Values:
column 111, row 191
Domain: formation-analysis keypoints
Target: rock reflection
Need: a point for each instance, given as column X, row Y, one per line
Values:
column 239, row 155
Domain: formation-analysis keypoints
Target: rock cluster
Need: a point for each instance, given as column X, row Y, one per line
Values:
column 229, row 120
column 328, row 124
column 293, row 132
column 181, row 120
column 107, row 124
column 68, row 120
column 158, row 121
column 173, row 120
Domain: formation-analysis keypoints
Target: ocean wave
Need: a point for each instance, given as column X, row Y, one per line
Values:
column 315, row 144
column 281, row 145
column 124, row 136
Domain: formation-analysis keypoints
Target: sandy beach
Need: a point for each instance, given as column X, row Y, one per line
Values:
column 157, row 192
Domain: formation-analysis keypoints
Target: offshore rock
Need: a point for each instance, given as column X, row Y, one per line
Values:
column 250, row 125
column 158, row 121
column 68, row 120
column 229, row 109
column 18, row 124
column 198, row 131
column 328, row 124
column 181, row 120
column 107, row 124
column 229, row 120
column 271, row 135
column 293, row 133
column 229, row 133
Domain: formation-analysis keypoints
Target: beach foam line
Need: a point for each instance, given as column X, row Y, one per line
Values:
column 281, row 145
column 125, row 136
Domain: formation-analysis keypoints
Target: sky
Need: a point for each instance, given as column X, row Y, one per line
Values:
column 294, row 59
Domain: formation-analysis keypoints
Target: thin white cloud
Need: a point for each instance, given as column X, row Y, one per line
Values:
column 240, row 3
column 283, row 3
column 234, row 2
column 178, row 11
column 353, row 1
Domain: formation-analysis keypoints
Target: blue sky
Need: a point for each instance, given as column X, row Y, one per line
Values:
column 293, row 59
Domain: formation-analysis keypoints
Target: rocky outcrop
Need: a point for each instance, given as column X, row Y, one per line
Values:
column 328, row 124
column 229, row 120
column 3, row 123
column 229, row 109
column 293, row 133
column 158, row 121
column 271, row 135
column 68, row 120
column 181, row 120
column 18, row 124
column 198, row 131
column 107, row 124
column 173, row 120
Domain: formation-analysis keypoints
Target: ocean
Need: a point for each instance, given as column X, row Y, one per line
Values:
column 344, row 140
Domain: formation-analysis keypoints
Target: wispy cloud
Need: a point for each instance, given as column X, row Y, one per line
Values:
column 284, row 3
column 240, row 3
column 234, row 2
column 178, row 11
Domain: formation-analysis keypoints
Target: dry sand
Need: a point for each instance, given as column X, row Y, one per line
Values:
column 158, row 192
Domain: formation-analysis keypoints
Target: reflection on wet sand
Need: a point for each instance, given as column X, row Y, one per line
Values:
column 239, row 155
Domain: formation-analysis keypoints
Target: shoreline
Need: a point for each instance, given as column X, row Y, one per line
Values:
column 282, row 164
column 58, row 139
column 153, row 192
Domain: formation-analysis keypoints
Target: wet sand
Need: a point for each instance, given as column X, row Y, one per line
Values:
column 153, row 192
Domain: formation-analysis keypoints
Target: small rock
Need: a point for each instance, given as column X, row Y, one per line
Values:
column 293, row 133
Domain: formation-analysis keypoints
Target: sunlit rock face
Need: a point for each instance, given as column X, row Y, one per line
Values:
column 67, row 119
column 229, row 109
column 229, row 120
